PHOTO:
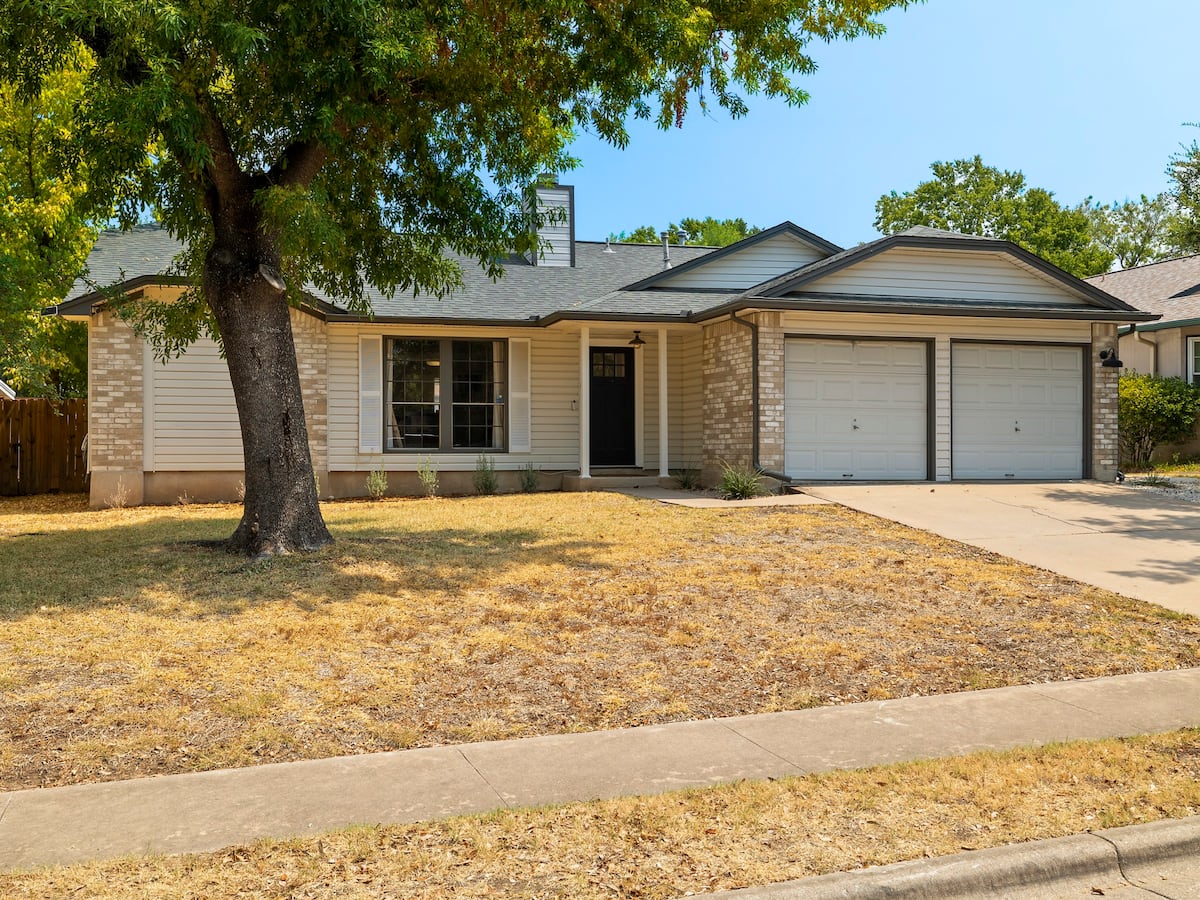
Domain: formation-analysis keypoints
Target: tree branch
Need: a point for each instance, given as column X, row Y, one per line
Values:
column 298, row 164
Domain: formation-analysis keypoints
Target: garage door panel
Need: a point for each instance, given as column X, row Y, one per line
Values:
column 860, row 411
column 1017, row 412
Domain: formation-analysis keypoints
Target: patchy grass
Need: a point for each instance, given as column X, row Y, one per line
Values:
column 692, row 841
column 130, row 647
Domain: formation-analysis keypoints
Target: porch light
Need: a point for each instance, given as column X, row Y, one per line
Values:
column 637, row 339
column 1108, row 360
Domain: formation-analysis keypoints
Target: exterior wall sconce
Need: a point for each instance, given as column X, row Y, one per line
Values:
column 637, row 340
column 1108, row 360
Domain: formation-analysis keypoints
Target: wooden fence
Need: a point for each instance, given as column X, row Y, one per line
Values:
column 41, row 446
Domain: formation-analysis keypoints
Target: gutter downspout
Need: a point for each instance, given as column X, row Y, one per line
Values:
column 754, row 410
column 1145, row 339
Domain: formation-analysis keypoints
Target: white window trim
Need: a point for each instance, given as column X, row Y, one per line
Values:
column 1192, row 372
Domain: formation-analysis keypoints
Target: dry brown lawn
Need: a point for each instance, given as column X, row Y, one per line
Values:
column 693, row 841
column 130, row 647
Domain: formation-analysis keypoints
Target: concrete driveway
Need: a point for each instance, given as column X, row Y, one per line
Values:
column 1142, row 544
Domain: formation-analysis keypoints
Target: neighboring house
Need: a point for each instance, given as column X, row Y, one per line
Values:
column 6, row 392
column 920, row 356
column 1170, row 289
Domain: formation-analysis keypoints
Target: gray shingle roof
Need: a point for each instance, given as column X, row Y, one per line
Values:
column 121, row 255
column 525, row 291
column 1170, row 288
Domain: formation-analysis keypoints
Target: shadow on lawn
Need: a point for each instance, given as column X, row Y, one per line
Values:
column 159, row 564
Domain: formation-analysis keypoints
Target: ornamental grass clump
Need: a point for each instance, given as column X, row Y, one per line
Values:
column 740, row 482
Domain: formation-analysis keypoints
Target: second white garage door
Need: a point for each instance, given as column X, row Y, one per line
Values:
column 855, row 409
column 1017, row 411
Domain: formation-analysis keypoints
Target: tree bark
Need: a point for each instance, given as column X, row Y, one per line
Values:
column 281, row 512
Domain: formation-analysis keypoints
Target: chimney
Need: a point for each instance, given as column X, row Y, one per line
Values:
column 666, row 239
column 556, row 233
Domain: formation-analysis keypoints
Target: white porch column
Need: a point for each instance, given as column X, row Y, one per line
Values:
column 664, row 455
column 585, row 413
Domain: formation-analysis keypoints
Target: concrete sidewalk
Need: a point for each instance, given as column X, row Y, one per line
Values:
column 207, row 811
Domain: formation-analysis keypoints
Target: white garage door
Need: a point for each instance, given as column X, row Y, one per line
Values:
column 1017, row 411
column 855, row 410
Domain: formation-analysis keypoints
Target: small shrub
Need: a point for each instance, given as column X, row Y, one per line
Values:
column 428, row 476
column 530, row 474
column 1153, row 410
column 485, row 475
column 377, row 484
column 739, row 482
column 688, row 479
column 120, row 495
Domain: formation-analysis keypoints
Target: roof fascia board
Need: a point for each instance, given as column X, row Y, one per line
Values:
column 1090, row 314
column 785, row 228
column 1174, row 323
column 84, row 305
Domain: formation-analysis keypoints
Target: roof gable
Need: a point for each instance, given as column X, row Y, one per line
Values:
column 753, row 260
column 925, row 265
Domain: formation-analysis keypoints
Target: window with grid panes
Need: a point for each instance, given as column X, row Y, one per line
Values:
column 445, row 394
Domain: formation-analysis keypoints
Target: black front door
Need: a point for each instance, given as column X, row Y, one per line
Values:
column 612, row 407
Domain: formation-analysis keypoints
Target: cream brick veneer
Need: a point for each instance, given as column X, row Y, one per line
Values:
column 116, row 380
column 312, row 350
column 1105, row 450
column 770, row 391
column 728, row 409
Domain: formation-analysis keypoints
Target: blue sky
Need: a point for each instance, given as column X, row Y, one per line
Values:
column 1086, row 97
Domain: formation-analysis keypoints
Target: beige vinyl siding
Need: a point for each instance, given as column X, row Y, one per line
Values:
column 745, row 268
column 941, row 330
column 687, row 399
column 945, row 275
column 193, row 425
column 554, row 385
column 554, row 397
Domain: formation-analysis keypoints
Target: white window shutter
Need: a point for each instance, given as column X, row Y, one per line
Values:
column 520, row 420
column 370, row 393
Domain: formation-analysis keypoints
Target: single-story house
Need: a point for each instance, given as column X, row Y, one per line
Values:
column 923, row 356
column 1170, row 289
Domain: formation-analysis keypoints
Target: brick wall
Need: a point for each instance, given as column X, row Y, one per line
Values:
column 116, row 359
column 728, row 411
column 770, row 390
column 1105, row 450
column 312, row 349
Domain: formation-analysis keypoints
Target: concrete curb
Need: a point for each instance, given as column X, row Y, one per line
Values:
column 1058, row 867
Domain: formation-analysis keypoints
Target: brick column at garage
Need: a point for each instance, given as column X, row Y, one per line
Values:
column 1105, row 436
column 728, row 409
column 770, row 391
column 312, row 348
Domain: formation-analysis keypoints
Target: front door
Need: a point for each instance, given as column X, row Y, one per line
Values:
column 612, row 403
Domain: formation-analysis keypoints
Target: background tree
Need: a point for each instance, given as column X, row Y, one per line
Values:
column 350, row 142
column 45, row 235
column 1135, row 232
column 969, row 197
column 1184, row 228
column 706, row 232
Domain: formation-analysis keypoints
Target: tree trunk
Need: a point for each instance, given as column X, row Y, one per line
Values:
column 281, row 512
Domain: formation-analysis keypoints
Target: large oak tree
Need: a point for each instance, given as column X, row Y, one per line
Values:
column 350, row 142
